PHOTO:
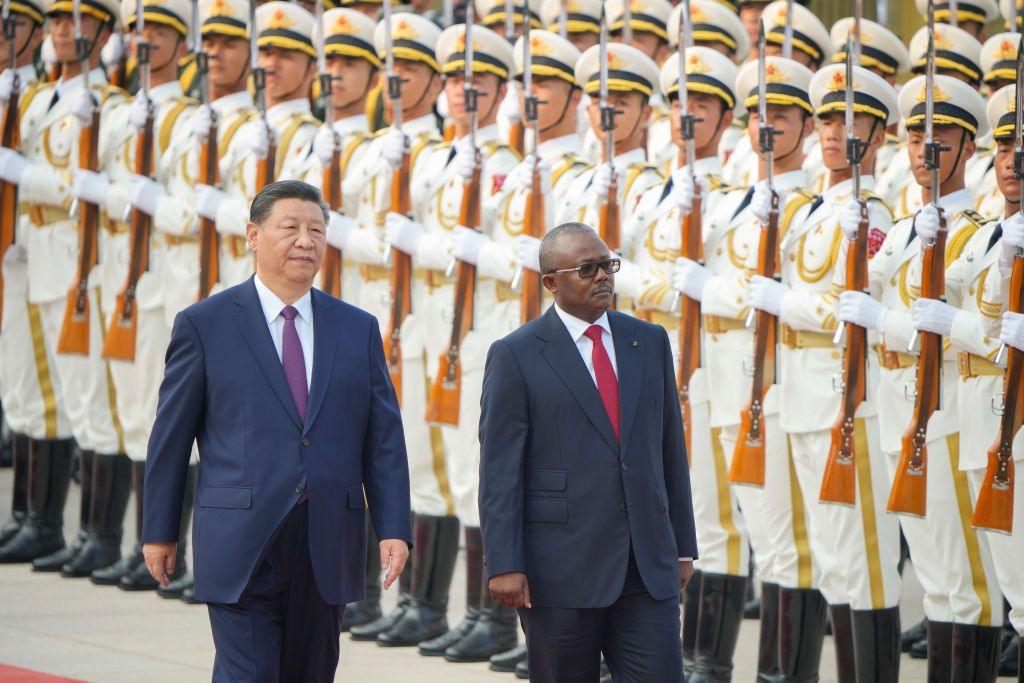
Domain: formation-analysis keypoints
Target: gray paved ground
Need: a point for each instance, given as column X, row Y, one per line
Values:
column 73, row 628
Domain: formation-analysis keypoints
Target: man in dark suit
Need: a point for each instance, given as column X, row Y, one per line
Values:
column 584, row 486
column 287, row 391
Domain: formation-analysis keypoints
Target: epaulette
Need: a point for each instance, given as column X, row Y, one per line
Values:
column 804, row 192
column 716, row 183
column 568, row 162
column 795, row 200
column 955, row 246
column 976, row 218
column 422, row 142
column 869, row 196
column 357, row 138
column 107, row 91
column 187, row 101
column 492, row 147
column 635, row 171
column 29, row 94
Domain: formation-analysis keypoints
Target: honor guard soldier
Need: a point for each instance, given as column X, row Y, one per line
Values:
column 372, row 181
column 793, row 612
column 999, row 69
column 716, row 593
column 647, row 29
column 42, row 169
column 951, row 559
column 578, row 21
column 855, row 546
column 971, row 15
column 21, row 394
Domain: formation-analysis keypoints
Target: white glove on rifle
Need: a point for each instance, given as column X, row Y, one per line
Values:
column 1012, row 331
column 467, row 244
column 325, row 143
column 849, row 219
column 392, row 147
column 6, row 85
column 403, row 234
column 528, row 252
column 441, row 105
column 202, row 121
column 1011, row 241
column 110, row 53
column 81, row 106
column 12, row 165
column 683, row 190
column 509, row 107
column 931, row 315
column 926, row 223
column 767, row 295
column 48, row 53
column 208, row 199
column 860, row 309
column 761, row 202
column 339, row 228
column 139, row 112
column 146, row 193
column 90, row 187
column 465, row 159
column 690, row 278
column 602, row 180
column 256, row 138
column 524, row 174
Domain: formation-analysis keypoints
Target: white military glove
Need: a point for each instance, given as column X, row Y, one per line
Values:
column 761, row 202
column 926, row 223
column 465, row 159
column 339, row 228
column 15, row 254
column 403, row 234
column 48, row 53
column 146, row 192
column 256, row 138
column 1012, row 331
column 683, row 189
column 932, row 315
column 1011, row 241
column 767, row 295
column 325, row 143
column 12, row 165
column 860, row 309
column 202, row 121
column 90, row 187
column 81, row 106
column 849, row 219
column 140, row 111
column 441, row 104
column 602, row 180
column 524, row 173
column 509, row 108
column 392, row 147
column 528, row 252
column 690, row 278
column 208, row 199
column 112, row 50
column 6, row 85
column 467, row 244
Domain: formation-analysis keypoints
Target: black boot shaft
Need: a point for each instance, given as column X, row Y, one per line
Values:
column 940, row 651
column 876, row 644
column 722, row 601
column 802, row 617
column 842, row 638
column 691, row 611
column 976, row 652
column 111, row 488
column 768, row 635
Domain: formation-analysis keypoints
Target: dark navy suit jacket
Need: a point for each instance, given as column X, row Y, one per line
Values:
column 560, row 498
column 225, row 386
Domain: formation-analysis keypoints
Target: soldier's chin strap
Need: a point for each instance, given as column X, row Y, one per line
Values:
column 959, row 153
column 28, row 40
column 298, row 87
column 561, row 117
column 361, row 96
column 799, row 142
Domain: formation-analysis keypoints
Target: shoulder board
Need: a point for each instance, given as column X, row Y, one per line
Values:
column 870, row 196
column 29, row 94
column 566, row 163
column 805, row 193
column 492, row 147
column 420, row 143
column 892, row 139
column 309, row 119
column 187, row 101
column 108, row 91
column 794, row 202
column 635, row 171
column 976, row 218
column 356, row 138
column 658, row 114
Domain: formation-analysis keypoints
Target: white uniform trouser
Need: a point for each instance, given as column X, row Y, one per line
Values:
column 775, row 515
column 952, row 560
column 1007, row 549
column 857, row 547
column 138, row 382
column 85, row 387
column 29, row 384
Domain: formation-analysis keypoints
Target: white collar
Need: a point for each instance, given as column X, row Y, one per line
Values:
column 707, row 166
column 26, row 75
column 633, row 156
column 351, row 124
column 421, row 124
column 790, row 179
column 233, row 102
column 556, row 147
column 484, row 134
column 578, row 327
column 165, row 91
column 272, row 305
column 953, row 200
column 845, row 187
column 283, row 110
column 96, row 78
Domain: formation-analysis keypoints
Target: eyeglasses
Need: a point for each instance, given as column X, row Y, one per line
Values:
column 589, row 270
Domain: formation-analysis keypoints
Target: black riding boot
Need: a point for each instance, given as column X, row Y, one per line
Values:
column 182, row 577
column 436, row 544
column 368, row 609
column 802, row 616
column 975, row 653
column 723, row 598
column 768, row 636
column 19, row 494
column 940, row 651
column 111, row 488
column 54, row 561
column 137, row 577
column 876, row 644
column 48, row 480
column 112, row 574
column 842, row 635
column 436, row 647
column 691, row 612
column 372, row 629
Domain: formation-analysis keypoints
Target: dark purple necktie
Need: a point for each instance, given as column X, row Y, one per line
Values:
column 294, row 362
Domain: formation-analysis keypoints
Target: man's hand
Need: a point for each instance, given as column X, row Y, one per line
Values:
column 160, row 559
column 394, row 553
column 510, row 590
column 685, row 573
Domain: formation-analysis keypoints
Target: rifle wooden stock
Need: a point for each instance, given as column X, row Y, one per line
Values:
column 689, row 320
column 748, row 458
column 531, row 297
column 994, row 509
column 517, row 137
column 609, row 218
column 839, row 484
column 266, row 168
column 907, row 495
column 401, row 280
column 209, row 239
column 445, row 395
column 74, row 331
column 331, row 273
column 10, row 138
column 121, row 336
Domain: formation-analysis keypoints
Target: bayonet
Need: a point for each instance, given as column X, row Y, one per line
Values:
column 394, row 88
column 1018, row 142
column 563, row 20
column 627, row 18
column 787, row 34
column 510, row 21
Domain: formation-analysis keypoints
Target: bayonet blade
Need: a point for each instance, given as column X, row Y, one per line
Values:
column 787, row 35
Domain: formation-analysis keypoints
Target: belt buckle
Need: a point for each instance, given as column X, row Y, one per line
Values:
column 790, row 337
column 963, row 363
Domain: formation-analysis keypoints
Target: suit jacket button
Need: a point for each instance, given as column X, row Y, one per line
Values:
column 305, row 441
column 625, row 466
column 298, row 488
column 624, row 508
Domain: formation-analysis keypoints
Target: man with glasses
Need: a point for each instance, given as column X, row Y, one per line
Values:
column 585, row 501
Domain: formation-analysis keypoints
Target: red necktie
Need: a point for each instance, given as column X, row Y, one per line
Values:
column 607, row 383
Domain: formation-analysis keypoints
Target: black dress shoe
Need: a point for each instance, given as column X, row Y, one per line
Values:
column 360, row 613
column 111, row 576
column 919, row 650
column 370, row 631
column 506, row 662
column 418, row 623
column 523, row 670
column 138, row 579
column 436, row 647
column 176, row 587
column 1009, row 661
column 54, row 561
column 914, row 634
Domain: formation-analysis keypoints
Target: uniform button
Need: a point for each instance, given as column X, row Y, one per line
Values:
column 624, row 508
column 298, row 488
column 625, row 466
column 305, row 441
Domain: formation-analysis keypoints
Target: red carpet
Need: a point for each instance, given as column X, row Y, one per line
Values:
column 12, row 674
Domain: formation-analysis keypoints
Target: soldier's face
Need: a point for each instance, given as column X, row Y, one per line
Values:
column 750, row 15
column 490, row 90
column 712, row 118
column 1008, row 184
column 229, row 59
column 791, row 123
column 647, row 42
column 288, row 71
column 950, row 163
column 290, row 243
column 632, row 111
column 165, row 44
column 24, row 31
column 62, row 29
column 584, row 39
column 832, row 134
column 351, row 79
column 556, row 100
column 418, row 79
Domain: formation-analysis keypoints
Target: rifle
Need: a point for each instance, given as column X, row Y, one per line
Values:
column 209, row 238
column 10, row 138
column 994, row 509
column 839, row 484
column 331, row 273
column 266, row 168
column 787, row 32
column 531, row 296
column 74, row 330
column 748, row 458
column 445, row 394
column 121, row 337
column 401, row 203
column 909, row 485
column 517, row 131
column 691, row 241
column 608, row 226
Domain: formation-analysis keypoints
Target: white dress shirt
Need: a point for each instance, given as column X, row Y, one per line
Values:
column 577, row 329
column 272, row 307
